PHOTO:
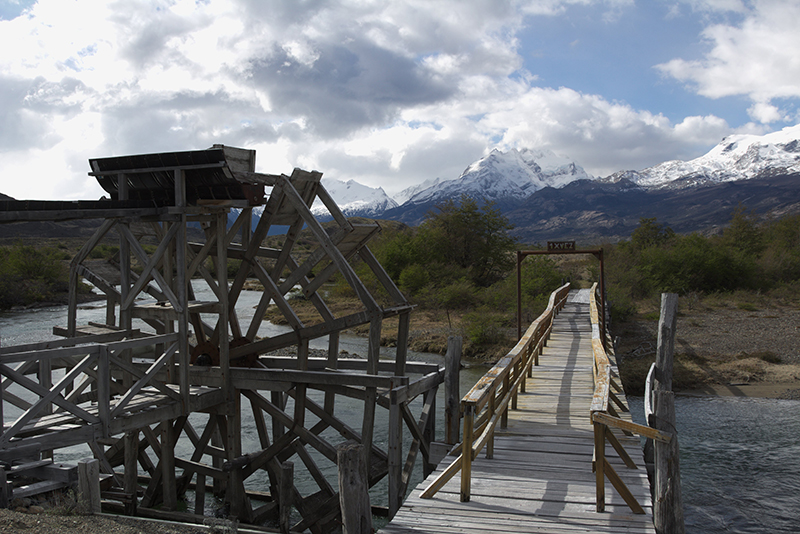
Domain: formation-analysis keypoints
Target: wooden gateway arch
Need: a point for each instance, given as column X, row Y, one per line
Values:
column 165, row 368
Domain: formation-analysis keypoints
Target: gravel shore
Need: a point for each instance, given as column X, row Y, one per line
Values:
column 753, row 353
column 52, row 523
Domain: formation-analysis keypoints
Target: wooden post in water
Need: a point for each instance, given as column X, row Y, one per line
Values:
column 452, row 367
column 286, row 495
column 667, row 505
column 353, row 489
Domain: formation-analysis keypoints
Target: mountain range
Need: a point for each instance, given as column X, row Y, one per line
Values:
column 551, row 197
column 547, row 196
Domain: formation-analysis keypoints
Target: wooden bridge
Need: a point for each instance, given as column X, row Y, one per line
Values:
column 546, row 462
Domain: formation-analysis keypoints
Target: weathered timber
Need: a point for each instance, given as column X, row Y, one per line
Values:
column 126, row 388
column 540, row 477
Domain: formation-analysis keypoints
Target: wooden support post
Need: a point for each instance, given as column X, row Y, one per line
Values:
column 332, row 363
column 428, row 432
column 371, row 393
column 599, row 465
column 168, row 483
column 491, row 408
column 286, row 496
column 217, row 441
column 401, row 352
column 181, row 293
column 506, row 390
column 46, row 381
column 667, row 502
column 666, row 341
column 452, row 367
column 89, row 484
column 394, row 454
column 103, row 389
column 224, row 305
column 466, row 452
column 353, row 489
column 200, row 495
column 129, row 484
column 668, row 505
column 5, row 494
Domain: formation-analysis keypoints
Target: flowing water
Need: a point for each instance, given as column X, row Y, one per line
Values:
column 34, row 325
column 740, row 457
column 740, row 463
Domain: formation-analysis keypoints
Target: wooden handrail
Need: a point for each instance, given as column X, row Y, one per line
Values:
column 604, row 418
column 488, row 401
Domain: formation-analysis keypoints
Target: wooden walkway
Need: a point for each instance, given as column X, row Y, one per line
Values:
column 540, row 479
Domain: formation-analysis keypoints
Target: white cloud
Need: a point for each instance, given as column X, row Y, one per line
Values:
column 765, row 113
column 758, row 57
column 386, row 93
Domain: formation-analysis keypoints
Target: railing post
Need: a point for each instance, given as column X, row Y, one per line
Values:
column 599, row 464
column 506, row 388
column 466, row 451
column 492, row 411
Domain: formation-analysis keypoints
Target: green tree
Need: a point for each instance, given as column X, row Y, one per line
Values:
column 471, row 237
column 650, row 233
column 743, row 233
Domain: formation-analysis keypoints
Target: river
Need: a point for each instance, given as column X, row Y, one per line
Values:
column 740, row 457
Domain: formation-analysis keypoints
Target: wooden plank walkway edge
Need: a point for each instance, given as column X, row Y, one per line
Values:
column 540, row 478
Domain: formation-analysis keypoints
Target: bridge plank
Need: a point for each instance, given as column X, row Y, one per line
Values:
column 540, row 478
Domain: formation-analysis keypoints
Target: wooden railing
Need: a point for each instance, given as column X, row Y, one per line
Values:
column 487, row 403
column 89, row 372
column 605, row 416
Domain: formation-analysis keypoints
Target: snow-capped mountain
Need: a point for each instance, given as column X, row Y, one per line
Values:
column 403, row 196
column 354, row 199
column 736, row 157
column 504, row 176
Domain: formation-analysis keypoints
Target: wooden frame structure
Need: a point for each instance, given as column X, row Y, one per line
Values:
column 166, row 368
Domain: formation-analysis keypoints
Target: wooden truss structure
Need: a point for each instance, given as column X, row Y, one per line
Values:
column 165, row 367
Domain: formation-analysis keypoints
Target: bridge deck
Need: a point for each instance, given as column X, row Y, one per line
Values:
column 540, row 479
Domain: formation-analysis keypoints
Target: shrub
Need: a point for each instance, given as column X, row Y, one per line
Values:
column 29, row 275
column 484, row 328
column 413, row 278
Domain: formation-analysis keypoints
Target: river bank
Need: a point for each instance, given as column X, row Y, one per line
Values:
column 725, row 349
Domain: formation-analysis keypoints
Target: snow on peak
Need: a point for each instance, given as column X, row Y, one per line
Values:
column 354, row 199
column 498, row 176
column 736, row 157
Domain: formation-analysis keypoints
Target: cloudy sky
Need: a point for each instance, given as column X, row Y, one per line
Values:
column 386, row 92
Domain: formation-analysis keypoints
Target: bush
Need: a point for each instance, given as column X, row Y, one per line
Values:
column 459, row 295
column 485, row 328
column 413, row 278
column 29, row 275
column 695, row 264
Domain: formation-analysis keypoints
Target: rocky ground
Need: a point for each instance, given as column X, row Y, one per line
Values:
column 55, row 522
column 725, row 349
